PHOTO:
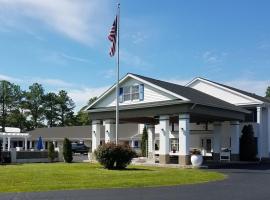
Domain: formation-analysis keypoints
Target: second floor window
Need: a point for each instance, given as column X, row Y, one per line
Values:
column 131, row 93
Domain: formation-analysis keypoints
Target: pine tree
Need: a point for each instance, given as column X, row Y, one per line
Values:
column 67, row 151
column 66, row 106
column 51, row 152
column 51, row 109
column 267, row 93
column 144, row 142
column 35, row 104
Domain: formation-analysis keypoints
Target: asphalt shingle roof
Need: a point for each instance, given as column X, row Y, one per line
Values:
column 61, row 132
column 72, row 132
column 193, row 95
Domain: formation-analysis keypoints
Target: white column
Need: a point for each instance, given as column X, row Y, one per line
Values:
column 8, row 144
column 151, row 140
column 30, row 144
column 132, row 143
column 25, row 143
column 96, row 125
column 235, row 132
column 109, row 130
column 164, row 139
column 217, row 140
column 4, row 143
column 184, row 135
column 260, row 131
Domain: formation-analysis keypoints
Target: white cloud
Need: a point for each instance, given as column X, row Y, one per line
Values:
column 9, row 78
column 132, row 60
column 52, row 82
column 82, row 95
column 61, row 58
column 74, row 58
column 263, row 45
column 139, row 37
column 78, row 93
column 80, row 20
column 211, row 57
column 109, row 73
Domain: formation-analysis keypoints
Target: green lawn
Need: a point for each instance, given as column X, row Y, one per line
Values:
column 61, row 176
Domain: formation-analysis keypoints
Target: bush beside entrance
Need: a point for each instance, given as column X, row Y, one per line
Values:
column 248, row 144
column 112, row 156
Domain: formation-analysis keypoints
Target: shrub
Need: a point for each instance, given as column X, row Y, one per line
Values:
column 112, row 156
column 51, row 152
column 67, row 151
column 195, row 152
column 144, row 142
column 248, row 144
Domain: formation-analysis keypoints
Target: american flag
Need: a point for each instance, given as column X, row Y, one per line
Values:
column 112, row 37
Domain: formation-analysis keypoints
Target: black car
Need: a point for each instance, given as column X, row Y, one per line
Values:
column 79, row 148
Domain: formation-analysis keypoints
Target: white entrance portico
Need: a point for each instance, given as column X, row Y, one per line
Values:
column 172, row 112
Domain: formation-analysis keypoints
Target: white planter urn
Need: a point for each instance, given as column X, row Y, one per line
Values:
column 196, row 160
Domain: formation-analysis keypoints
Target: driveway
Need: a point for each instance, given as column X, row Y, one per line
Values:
column 249, row 182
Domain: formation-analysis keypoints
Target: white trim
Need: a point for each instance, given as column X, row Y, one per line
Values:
column 13, row 134
column 256, row 101
column 139, row 79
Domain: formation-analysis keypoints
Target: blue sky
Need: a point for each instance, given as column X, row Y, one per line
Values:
column 63, row 44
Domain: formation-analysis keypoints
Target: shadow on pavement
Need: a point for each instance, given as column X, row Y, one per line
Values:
column 239, row 165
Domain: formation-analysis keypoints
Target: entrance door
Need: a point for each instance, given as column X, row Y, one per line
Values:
column 207, row 146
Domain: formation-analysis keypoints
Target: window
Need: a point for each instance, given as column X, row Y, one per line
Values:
column 131, row 93
column 135, row 92
column 172, row 126
column 174, row 145
column 127, row 92
column 136, row 144
column 157, row 145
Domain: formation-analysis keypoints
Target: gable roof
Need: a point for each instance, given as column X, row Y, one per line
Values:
column 184, row 93
column 249, row 94
column 193, row 95
column 130, row 75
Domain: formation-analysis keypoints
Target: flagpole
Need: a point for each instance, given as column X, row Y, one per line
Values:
column 117, row 82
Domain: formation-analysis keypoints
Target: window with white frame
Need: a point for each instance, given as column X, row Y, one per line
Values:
column 131, row 93
column 126, row 93
column 174, row 144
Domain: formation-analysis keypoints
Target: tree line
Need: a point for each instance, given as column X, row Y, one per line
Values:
column 33, row 108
